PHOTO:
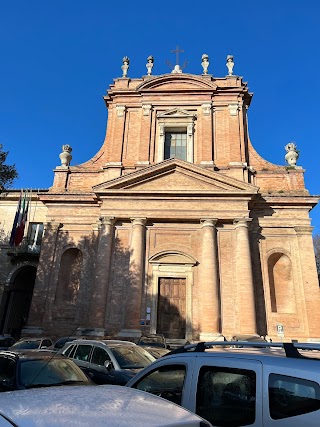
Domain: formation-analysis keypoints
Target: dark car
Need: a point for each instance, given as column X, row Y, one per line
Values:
column 29, row 369
column 6, row 341
column 154, row 344
column 108, row 361
column 32, row 344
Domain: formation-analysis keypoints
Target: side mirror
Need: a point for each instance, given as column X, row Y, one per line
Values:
column 108, row 365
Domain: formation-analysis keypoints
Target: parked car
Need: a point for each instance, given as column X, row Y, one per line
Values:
column 6, row 341
column 104, row 406
column 108, row 361
column 259, row 384
column 32, row 344
column 28, row 369
column 154, row 344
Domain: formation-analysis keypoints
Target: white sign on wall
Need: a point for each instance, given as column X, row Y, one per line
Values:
column 280, row 329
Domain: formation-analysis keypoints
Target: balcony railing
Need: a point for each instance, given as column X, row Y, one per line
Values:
column 27, row 246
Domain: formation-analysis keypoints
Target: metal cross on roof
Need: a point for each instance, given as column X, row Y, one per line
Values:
column 177, row 51
column 177, row 67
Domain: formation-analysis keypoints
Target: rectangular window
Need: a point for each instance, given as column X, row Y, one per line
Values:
column 35, row 232
column 226, row 396
column 83, row 352
column 175, row 145
column 290, row 396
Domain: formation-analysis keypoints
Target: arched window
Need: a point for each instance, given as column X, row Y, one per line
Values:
column 281, row 284
column 69, row 276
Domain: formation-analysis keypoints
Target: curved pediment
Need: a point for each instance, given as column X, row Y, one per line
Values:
column 174, row 82
column 172, row 257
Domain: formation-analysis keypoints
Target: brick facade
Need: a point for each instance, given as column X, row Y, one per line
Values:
column 233, row 227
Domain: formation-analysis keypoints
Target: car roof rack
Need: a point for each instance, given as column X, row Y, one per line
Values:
column 290, row 348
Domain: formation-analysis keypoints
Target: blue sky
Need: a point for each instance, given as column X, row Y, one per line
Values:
column 59, row 57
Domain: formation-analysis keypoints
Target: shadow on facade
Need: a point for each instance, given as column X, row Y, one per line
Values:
column 71, row 285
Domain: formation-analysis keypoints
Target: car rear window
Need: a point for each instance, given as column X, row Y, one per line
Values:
column 290, row 396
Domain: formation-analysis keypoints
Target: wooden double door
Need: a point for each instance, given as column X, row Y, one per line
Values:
column 171, row 316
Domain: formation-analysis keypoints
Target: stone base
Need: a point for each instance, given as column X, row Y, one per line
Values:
column 130, row 333
column 211, row 336
column 91, row 332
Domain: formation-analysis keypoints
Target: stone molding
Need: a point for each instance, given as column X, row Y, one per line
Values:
column 146, row 108
column 233, row 109
column 120, row 110
column 206, row 108
column 303, row 229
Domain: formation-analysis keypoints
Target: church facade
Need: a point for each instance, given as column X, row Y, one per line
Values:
column 176, row 226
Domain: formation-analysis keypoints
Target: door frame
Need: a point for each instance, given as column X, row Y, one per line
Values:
column 181, row 271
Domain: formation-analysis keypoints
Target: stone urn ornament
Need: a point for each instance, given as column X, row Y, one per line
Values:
column 149, row 64
column 230, row 65
column 205, row 63
column 65, row 156
column 292, row 154
column 125, row 66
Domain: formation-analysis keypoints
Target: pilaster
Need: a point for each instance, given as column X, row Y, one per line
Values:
column 102, row 270
column 136, row 270
column 244, row 278
column 209, row 298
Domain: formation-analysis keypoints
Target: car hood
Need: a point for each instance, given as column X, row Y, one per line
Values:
column 100, row 406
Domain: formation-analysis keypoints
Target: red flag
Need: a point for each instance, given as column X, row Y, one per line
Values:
column 21, row 220
column 15, row 222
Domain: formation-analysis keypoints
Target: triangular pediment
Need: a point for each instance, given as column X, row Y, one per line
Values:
column 175, row 112
column 175, row 176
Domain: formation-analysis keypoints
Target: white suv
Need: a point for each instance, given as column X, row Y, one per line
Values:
column 269, row 384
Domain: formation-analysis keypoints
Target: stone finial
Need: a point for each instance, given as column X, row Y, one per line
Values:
column 65, row 156
column 292, row 153
column 205, row 63
column 149, row 64
column 176, row 69
column 125, row 66
column 230, row 64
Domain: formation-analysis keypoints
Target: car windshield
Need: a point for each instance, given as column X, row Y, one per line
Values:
column 27, row 344
column 37, row 373
column 132, row 357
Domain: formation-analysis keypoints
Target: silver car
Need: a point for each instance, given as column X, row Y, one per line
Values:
column 108, row 361
column 264, row 385
column 104, row 406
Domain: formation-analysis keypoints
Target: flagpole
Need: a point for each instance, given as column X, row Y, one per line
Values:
column 15, row 221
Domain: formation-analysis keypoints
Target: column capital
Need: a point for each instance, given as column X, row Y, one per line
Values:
column 208, row 222
column 242, row 222
column 106, row 220
column 138, row 221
